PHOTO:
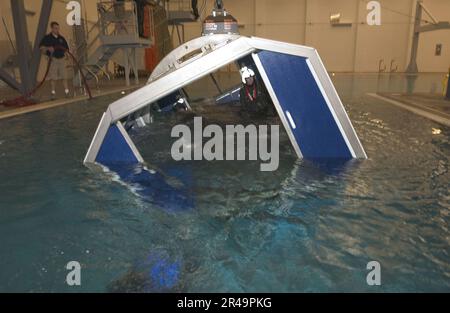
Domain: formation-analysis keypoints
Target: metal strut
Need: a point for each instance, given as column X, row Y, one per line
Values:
column 419, row 28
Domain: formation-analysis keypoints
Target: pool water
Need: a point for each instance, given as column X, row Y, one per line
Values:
column 307, row 227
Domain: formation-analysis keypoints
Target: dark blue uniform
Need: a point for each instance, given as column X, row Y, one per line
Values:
column 51, row 41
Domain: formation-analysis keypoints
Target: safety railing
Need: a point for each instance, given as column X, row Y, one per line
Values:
column 179, row 5
column 115, row 20
column 118, row 18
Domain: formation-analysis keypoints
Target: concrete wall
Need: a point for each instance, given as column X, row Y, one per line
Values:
column 426, row 60
column 357, row 48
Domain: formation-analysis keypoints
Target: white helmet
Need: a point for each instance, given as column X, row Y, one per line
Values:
column 246, row 73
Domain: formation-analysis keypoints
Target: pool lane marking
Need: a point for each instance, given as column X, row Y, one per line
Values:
column 412, row 108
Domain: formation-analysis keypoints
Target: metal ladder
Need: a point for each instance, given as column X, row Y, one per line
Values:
column 116, row 28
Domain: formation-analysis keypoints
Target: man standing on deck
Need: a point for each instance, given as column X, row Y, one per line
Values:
column 55, row 46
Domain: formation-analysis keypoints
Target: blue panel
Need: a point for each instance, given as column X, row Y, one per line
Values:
column 247, row 61
column 168, row 103
column 230, row 97
column 153, row 187
column 116, row 154
column 115, row 149
column 316, row 132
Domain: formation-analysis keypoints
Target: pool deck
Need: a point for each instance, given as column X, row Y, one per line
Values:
column 109, row 89
column 432, row 106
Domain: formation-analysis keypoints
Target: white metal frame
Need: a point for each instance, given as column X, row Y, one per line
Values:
column 217, row 51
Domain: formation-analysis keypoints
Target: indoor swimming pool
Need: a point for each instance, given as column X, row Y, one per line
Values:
column 307, row 227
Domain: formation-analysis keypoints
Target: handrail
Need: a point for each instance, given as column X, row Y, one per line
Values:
column 107, row 6
column 380, row 68
column 391, row 68
column 102, row 25
column 180, row 5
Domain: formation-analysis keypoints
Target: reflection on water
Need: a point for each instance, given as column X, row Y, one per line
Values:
column 310, row 226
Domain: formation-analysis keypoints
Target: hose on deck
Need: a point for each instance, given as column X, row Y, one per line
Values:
column 25, row 100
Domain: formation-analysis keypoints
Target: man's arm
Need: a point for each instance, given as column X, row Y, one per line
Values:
column 45, row 47
column 65, row 44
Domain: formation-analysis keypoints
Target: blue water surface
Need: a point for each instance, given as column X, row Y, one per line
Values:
column 308, row 227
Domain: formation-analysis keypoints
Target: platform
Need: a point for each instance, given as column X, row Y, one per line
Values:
column 110, row 88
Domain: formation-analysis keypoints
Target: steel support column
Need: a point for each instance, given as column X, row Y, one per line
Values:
column 46, row 9
column 412, row 67
column 447, row 95
column 22, row 42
